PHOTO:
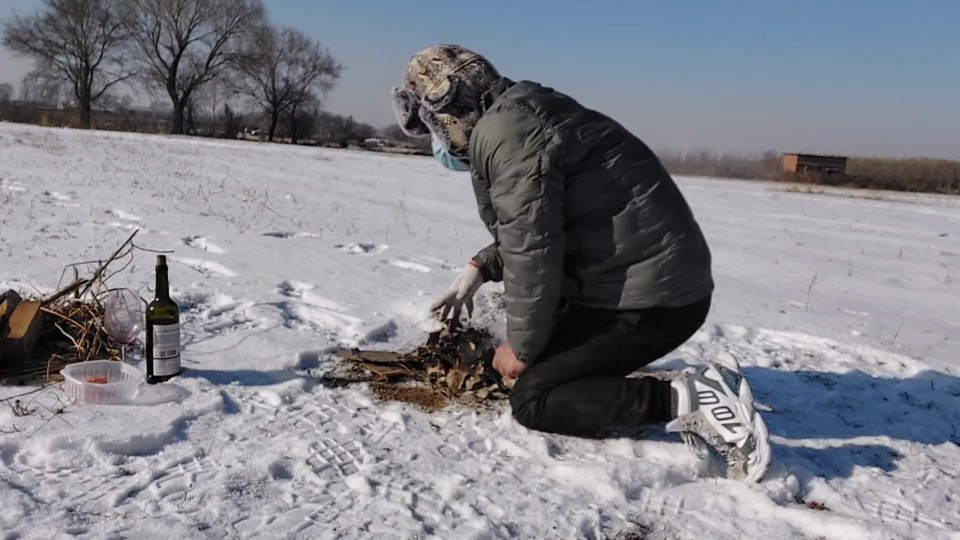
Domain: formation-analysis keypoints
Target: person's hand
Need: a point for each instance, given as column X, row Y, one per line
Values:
column 507, row 363
column 460, row 294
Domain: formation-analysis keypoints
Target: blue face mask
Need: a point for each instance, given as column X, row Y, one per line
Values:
column 447, row 160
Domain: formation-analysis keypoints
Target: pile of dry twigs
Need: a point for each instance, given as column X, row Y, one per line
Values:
column 454, row 365
column 73, row 324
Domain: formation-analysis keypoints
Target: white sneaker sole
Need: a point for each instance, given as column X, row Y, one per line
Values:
column 758, row 462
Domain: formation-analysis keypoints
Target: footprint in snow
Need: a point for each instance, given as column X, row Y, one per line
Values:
column 215, row 312
column 304, row 293
column 422, row 500
column 361, row 248
column 130, row 227
column 304, row 513
column 61, row 200
column 409, row 265
column 442, row 263
column 308, row 309
column 204, row 244
column 208, row 268
column 122, row 491
column 419, row 263
column 124, row 226
column 57, row 196
column 287, row 234
column 12, row 186
column 124, row 215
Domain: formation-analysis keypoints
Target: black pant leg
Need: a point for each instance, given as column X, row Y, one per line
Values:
column 579, row 387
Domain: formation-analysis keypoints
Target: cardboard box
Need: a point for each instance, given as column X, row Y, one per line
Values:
column 20, row 334
column 8, row 301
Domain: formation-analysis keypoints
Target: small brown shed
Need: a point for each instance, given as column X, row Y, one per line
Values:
column 800, row 163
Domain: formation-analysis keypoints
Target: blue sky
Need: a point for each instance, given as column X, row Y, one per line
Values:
column 876, row 77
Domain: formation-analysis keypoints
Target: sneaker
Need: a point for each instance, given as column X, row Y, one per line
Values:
column 714, row 405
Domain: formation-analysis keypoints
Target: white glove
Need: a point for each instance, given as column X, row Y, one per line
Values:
column 460, row 294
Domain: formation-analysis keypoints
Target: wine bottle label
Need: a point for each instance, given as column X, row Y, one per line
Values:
column 166, row 349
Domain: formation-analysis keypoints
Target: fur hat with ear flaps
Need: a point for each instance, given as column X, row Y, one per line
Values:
column 441, row 94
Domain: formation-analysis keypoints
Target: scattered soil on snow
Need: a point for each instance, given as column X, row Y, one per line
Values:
column 423, row 397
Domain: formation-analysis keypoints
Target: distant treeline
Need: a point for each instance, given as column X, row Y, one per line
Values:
column 308, row 127
column 224, row 69
column 321, row 128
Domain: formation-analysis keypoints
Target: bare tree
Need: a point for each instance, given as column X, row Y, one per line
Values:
column 342, row 130
column 6, row 93
column 302, row 118
column 109, row 102
column 115, row 102
column 232, row 123
column 394, row 134
column 126, row 102
column 159, row 105
column 211, row 98
column 184, row 44
column 79, row 42
column 38, row 86
column 282, row 69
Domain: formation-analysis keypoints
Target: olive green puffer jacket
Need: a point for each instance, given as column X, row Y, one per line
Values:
column 580, row 209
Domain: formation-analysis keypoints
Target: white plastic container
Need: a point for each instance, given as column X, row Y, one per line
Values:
column 120, row 388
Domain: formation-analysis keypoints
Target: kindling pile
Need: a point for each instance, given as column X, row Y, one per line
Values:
column 454, row 365
column 39, row 335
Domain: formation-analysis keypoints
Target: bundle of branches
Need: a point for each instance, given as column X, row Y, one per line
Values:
column 73, row 324
column 455, row 364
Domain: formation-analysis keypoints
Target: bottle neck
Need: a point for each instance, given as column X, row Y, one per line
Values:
column 163, row 284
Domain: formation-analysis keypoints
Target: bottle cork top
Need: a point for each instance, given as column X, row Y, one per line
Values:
column 161, row 260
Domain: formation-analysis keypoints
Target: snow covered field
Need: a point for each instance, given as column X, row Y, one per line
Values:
column 845, row 313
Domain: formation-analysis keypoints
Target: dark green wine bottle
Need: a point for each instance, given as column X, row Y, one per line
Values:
column 163, row 330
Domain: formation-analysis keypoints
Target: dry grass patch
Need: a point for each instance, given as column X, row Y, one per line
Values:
column 857, row 193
